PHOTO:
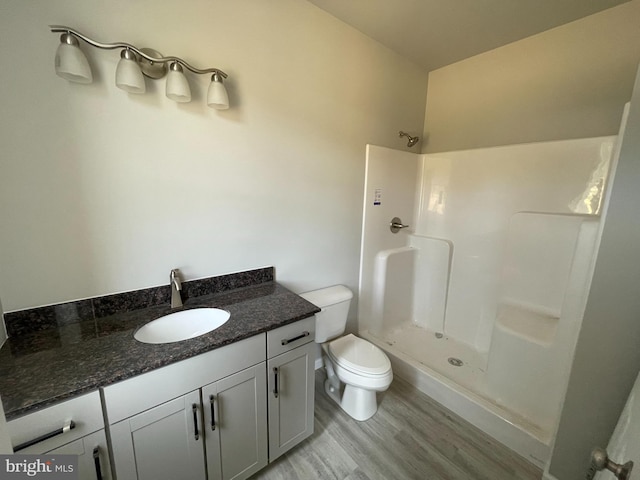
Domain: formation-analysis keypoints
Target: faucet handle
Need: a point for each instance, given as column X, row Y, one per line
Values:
column 174, row 278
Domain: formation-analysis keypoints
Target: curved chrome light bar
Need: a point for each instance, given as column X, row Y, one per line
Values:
column 140, row 52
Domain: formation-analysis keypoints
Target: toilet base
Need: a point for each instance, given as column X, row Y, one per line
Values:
column 358, row 403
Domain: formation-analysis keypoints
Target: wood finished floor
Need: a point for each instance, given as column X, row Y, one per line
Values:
column 410, row 437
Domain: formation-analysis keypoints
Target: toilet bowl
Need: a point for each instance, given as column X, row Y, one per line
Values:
column 356, row 369
column 362, row 368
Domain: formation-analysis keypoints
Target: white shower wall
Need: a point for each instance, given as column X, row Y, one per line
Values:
column 469, row 198
column 391, row 183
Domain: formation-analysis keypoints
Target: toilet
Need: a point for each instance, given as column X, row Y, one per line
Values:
column 356, row 369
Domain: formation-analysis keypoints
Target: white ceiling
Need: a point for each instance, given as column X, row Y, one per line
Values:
column 435, row 33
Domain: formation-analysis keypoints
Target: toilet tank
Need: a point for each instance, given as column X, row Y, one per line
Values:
column 334, row 304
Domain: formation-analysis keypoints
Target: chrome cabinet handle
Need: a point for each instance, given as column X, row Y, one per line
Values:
column 96, row 462
column 70, row 425
column 395, row 225
column 194, row 407
column 212, row 400
column 275, row 382
column 287, row 341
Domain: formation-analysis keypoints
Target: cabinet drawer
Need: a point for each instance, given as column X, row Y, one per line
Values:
column 85, row 412
column 290, row 336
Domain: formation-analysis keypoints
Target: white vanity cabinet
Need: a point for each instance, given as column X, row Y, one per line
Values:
column 221, row 415
column 72, row 427
column 291, row 362
column 164, row 423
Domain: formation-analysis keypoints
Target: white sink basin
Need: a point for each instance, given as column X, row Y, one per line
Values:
column 182, row 325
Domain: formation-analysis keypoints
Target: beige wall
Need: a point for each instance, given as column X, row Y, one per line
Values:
column 102, row 191
column 569, row 82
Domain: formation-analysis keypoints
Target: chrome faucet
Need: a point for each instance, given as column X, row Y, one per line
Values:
column 176, row 286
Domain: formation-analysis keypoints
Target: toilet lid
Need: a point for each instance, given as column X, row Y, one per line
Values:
column 359, row 356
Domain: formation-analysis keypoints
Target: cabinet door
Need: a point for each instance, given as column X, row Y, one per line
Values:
column 291, row 398
column 235, row 421
column 93, row 456
column 162, row 443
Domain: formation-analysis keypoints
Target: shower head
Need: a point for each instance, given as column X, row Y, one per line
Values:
column 412, row 140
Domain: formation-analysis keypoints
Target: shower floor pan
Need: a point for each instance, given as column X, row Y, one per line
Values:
column 423, row 359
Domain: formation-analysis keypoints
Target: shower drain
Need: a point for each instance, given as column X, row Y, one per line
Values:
column 456, row 362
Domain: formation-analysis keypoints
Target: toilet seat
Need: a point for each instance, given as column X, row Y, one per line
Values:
column 359, row 356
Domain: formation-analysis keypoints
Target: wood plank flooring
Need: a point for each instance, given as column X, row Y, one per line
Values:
column 410, row 437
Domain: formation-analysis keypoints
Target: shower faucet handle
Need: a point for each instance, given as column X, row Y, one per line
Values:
column 396, row 225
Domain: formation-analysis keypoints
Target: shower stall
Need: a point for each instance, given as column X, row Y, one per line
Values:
column 478, row 301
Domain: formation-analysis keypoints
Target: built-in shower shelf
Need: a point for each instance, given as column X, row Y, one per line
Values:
column 534, row 326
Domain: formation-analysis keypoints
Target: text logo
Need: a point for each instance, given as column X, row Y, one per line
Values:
column 50, row 467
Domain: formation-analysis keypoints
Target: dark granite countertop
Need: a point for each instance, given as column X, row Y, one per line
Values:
column 53, row 364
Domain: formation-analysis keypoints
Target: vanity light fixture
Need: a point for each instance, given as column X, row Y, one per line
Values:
column 217, row 94
column 135, row 64
column 177, row 85
column 128, row 74
column 71, row 64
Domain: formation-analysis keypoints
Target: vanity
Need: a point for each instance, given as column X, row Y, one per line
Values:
column 219, row 406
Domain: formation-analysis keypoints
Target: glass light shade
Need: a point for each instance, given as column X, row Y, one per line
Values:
column 177, row 85
column 71, row 64
column 217, row 95
column 128, row 74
